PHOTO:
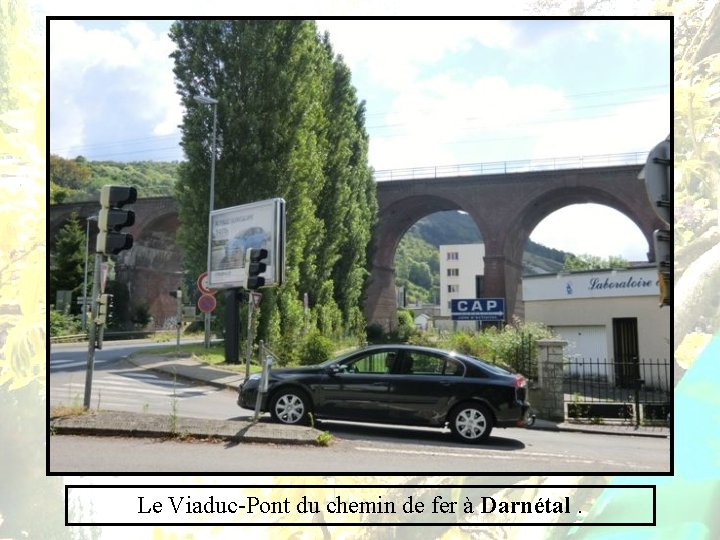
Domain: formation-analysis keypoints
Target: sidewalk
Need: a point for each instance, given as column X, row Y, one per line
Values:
column 128, row 424
column 118, row 423
column 605, row 429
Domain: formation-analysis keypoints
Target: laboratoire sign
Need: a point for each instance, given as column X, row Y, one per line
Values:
column 597, row 284
column 234, row 230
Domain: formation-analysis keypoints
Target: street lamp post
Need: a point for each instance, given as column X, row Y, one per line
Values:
column 206, row 100
column 87, row 249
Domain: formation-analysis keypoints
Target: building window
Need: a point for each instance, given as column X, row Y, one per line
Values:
column 452, row 256
column 453, row 272
column 453, row 288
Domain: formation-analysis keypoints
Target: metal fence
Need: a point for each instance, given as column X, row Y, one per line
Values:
column 505, row 167
column 639, row 391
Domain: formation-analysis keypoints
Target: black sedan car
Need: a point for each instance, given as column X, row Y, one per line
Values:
column 397, row 384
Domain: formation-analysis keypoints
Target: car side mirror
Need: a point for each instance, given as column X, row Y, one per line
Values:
column 333, row 369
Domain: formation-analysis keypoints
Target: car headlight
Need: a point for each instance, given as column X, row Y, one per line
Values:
column 254, row 377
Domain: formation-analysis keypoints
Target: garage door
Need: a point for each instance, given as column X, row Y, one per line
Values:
column 585, row 343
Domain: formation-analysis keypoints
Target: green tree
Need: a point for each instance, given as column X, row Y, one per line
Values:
column 420, row 273
column 288, row 126
column 68, row 177
column 592, row 262
column 67, row 259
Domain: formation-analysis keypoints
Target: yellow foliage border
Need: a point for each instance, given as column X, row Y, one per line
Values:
column 22, row 203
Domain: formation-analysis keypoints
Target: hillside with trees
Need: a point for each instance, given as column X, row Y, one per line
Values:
column 78, row 179
column 417, row 266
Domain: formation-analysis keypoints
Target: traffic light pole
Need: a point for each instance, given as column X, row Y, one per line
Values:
column 178, row 323
column 232, row 325
column 92, row 330
column 249, row 340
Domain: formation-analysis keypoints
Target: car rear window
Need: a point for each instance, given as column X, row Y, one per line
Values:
column 488, row 366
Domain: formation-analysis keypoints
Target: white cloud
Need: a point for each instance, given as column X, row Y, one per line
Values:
column 393, row 52
column 434, row 121
column 72, row 47
column 635, row 127
column 90, row 68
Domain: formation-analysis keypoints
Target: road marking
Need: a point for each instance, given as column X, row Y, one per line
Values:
column 496, row 454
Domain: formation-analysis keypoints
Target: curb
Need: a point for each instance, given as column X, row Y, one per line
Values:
column 111, row 424
column 182, row 374
column 629, row 432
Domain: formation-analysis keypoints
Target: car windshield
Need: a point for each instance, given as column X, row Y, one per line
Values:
column 337, row 358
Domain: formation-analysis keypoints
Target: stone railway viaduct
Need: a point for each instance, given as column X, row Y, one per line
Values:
column 506, row 208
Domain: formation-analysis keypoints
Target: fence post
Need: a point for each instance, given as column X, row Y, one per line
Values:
column 549, row 394
column 637, row 384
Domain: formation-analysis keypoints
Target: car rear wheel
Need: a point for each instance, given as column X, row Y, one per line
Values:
column 471, row 422
column 290, row 406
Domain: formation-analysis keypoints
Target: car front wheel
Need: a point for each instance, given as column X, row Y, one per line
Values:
column 471, row 423
column 290, row 406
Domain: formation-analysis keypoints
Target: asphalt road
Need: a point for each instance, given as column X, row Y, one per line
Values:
column 370, row 450
column 120, row 386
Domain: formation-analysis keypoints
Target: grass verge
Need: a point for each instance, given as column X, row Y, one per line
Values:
column 61, row 411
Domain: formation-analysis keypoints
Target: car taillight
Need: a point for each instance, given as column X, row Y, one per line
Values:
column 519, row 381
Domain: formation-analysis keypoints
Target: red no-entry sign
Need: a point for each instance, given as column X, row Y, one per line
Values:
column 206, row 303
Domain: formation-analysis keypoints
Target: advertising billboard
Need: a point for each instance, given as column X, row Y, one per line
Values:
column 234, row 230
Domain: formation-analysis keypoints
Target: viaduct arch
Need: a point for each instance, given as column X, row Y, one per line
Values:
column 153, row 267
column 505, row 207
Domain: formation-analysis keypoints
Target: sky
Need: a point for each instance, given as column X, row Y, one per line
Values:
column 437, row 93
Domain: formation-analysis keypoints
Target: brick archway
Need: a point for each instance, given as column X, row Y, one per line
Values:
column 152, row 268
column 506, row 208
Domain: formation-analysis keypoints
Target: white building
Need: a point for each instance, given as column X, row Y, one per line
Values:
column 608, row 316
column 462, row 267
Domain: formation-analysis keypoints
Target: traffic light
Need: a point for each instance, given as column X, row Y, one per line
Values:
column 103, row 304
column 663, row 249
column 656, row 174
column 112, row 218
column 110, row 310
column 255, row 266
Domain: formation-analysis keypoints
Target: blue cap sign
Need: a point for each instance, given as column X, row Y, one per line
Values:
column 478, row 309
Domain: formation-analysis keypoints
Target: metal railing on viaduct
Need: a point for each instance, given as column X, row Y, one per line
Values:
column 506, row 167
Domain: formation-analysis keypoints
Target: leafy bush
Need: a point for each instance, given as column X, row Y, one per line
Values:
column 406, row 325
column 140, row 315
column 63, row 324
column 512, row 346
column 316, row 348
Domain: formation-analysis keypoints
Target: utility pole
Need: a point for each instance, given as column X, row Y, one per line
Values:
column 92, row 331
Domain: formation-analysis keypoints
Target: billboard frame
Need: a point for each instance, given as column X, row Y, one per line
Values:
column 233, row 230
